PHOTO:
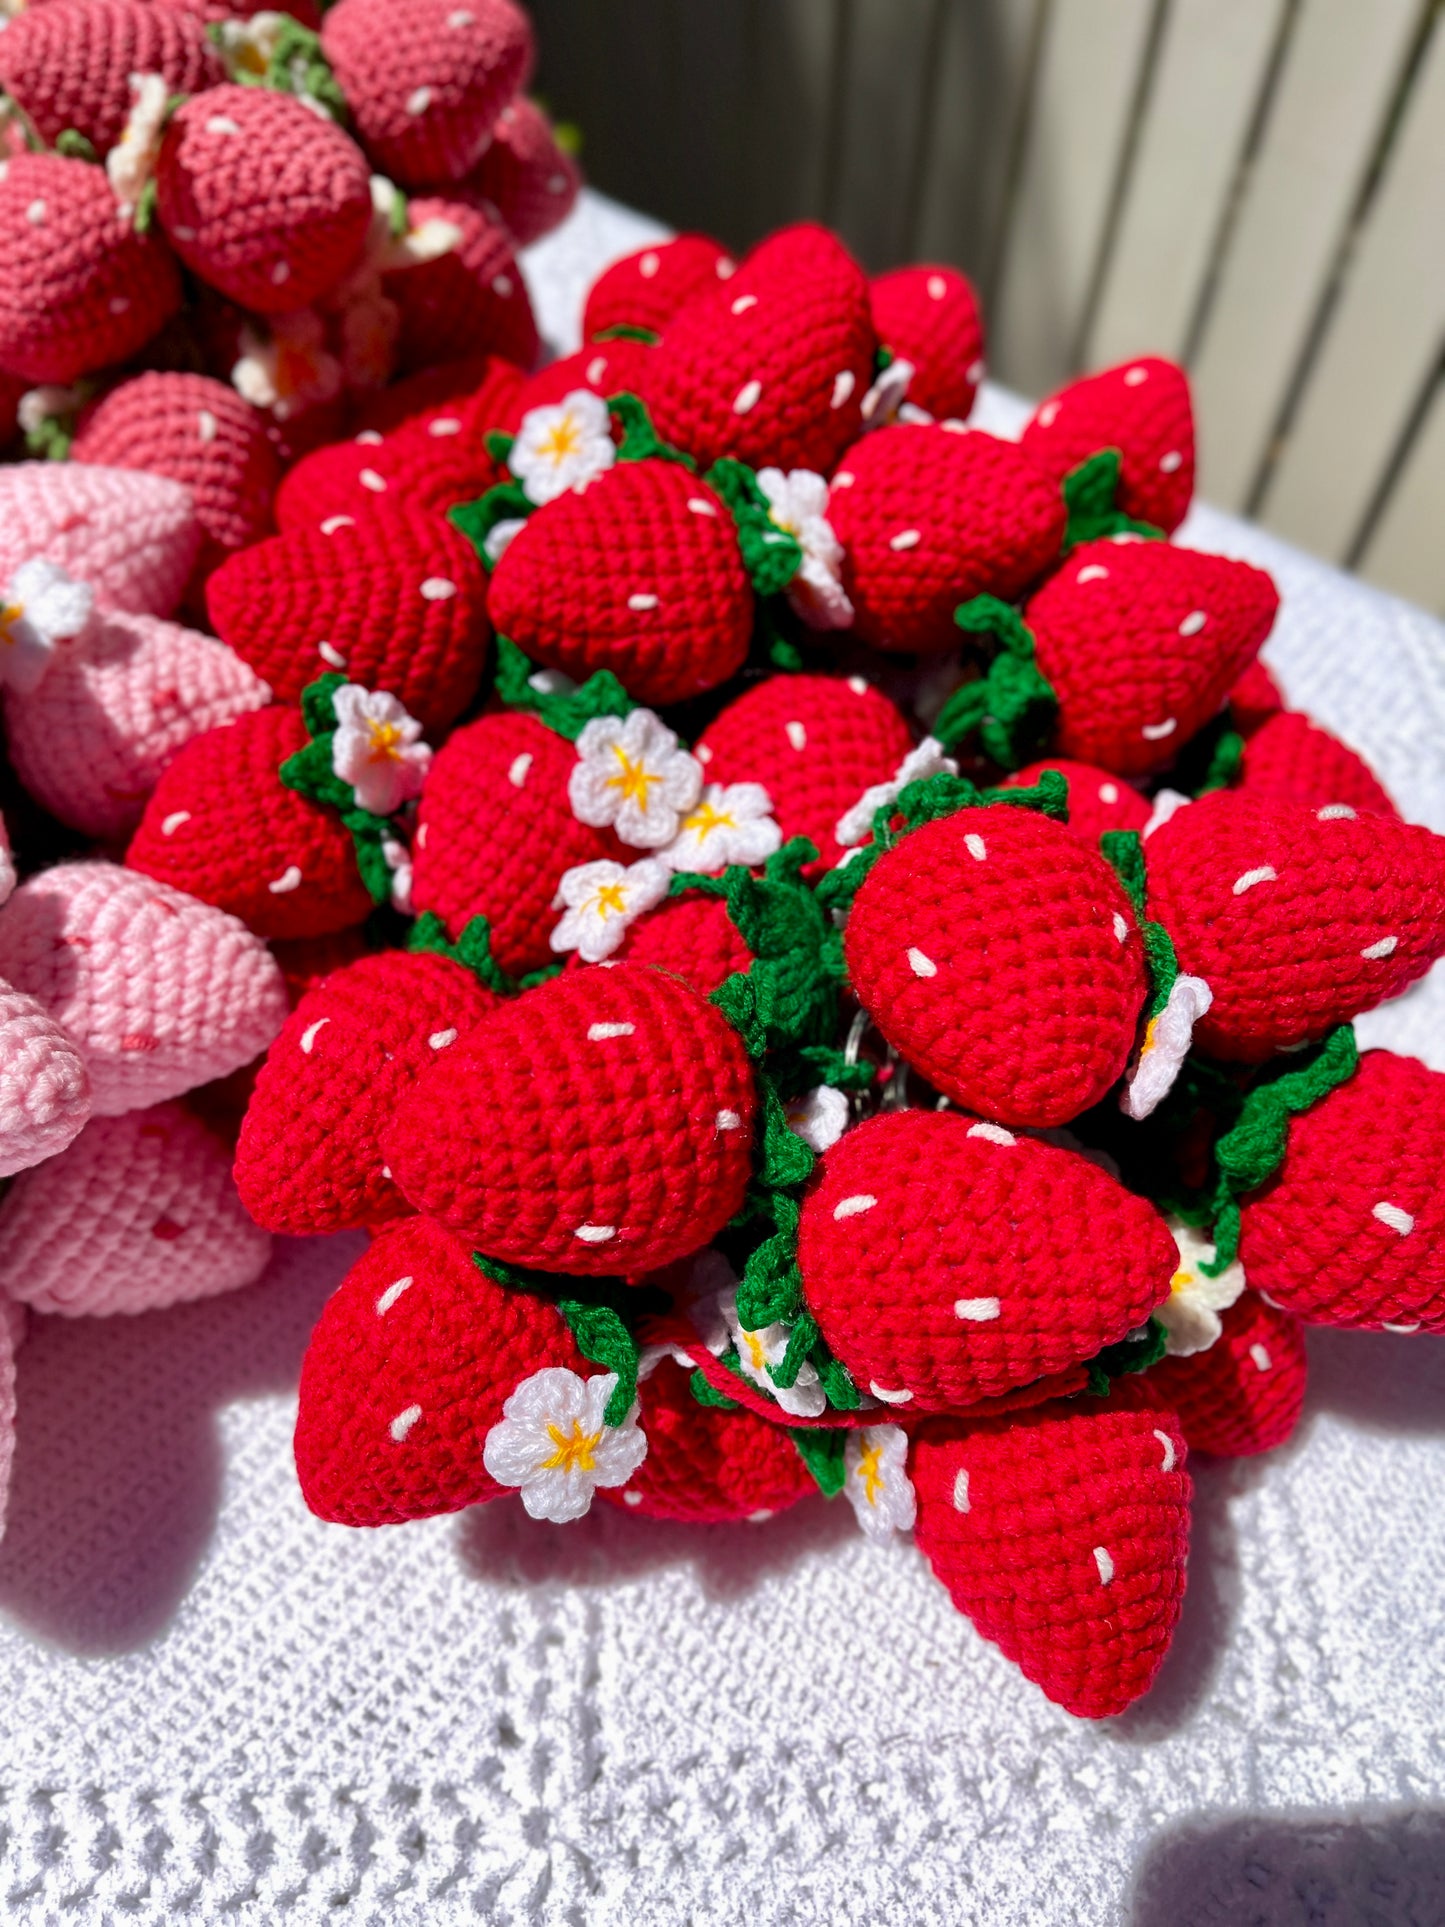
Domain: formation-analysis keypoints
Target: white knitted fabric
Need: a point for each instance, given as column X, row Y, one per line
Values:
column 214, row 1708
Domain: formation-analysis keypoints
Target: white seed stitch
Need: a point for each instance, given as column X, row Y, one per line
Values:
column 1403, row 1331
column 335, row 522
column 729, row 1121
column 1395, row 1218
column 421, row 830
column 700, row 507
column 1121, row 929
column 760, row 1517
column 641, row 602
column 369, row 479
column 648, row 265
column 859, row 685
column 905, row 539
column 170, row 824
column 404, row 1421
column 632, row 1498
column 744, row 302
column 1048, row 414
column 976, row 1311
column 1384, row 948
column 595, row 1234
column 1167, row 1463
column 1092, row 572
column 937, row 287
column 960, row 1489
column 369, row 438
column 439, row 1039
column 852, row 1207
column 280, row 274
column 119, row 304
column 1133, row 376
column 1335, row 813
column 1266, row 873
column 557, row 183
column 992, row 1133
column 444, row 425
column 389, row 1297
column 1193, row 623
column 889, row 1397
column 726, row 267
column 596, row 371
column 1171, row 462
column 418, row 100
column 289, row 880
column 517, row 774
column 1108, row 792
column 599, row 1033
column 310, row 1034
column 1156, row 732
column 461, row 18
column 796, row 735
column 975, row 372
column 222, row 124
column 1105, row 1563
column 844, row 479
column 35, row 213
column 975, row 846
column 1262, row 1360
column 206, row 425
column 438, row 588
column 703, row 753
column 747, row 397
column 843, row 385
column 386, row 1172
column 503, row 286
column 333, row 656
column 920, row 964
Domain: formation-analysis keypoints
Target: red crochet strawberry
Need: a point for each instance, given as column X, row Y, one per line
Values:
column 308, row 1159
column 948, row 1261
column 406, row 1373
column 394, row 597
column 1097, row 800
column 1296, row 918
column 431, row 391
column 639, row 573
column 646, row 289
column 1246, row 1392
column 693, row 938
column 79, row 287
column 600, row 1123
column 305, row 961
column 469, row 295
column 265, row 200
column 929, row 317
column 1289, row 759
column 425, row 82
column 930, row 517
column 221, row 825
column 1351, row 1229
column 1003, row 958
column 1143, row 409
column 815, row 743
column 524, row 176
column 772, row 366
column 1254, row 699
column 1141, row 643
column 1063, row 1534
column 606, row 367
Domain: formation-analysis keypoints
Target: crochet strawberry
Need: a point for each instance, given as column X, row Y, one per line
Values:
column 929, row 317
column 12, row 1333
column 1246, row 1392
column 600, row 1123
column 1141, row 408
column 1254, row 699
column 431, row 391
column 524, row 175
column 132, row 537
column 1141, row 642
column 691, row 937
column 45, row 1090
column 407, row 1372
column 425, row 84
column 610, row 367
column 1296, row 918
column 80, row 286
column 929, row 517
column 1351, row 1229
column 308, row 1158
column 265, row 200
column 1097, row 800
column 1290, row 759
column 947, row 1261
column 1063, row 1534
column 394, row 597
column 469, row 295
column 772, row 366
column 646, row 289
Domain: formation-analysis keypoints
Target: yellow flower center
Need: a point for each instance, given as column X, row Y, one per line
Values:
column 250, row 59
column 575, row 1449
column 757, row 1354
column 705, row 819
column 385, row 741
column 11, row 615
column 1148, row 1044
column 635, row 779
column 870, row 1471
column 1181, row 1281
column 779, row 521
column 609, row 897
column 562, row 439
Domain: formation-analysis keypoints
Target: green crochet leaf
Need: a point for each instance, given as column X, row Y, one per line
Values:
column 145, row 208
column 568, row 715
column 600, row 1335
column 838, row 1387
column 771, row 555
column 640, row 440
column 625, row 331
column 298, row 66
column 1123, row 850
column 310, row 773
column 805, row 1337
column 1224, row 764
column 1091, row 498
column 821, row 1450
column 507, row 502
column 707, row 1393
column 74, row 146
column 473, row 950
column 1013, row 708
column 499, row 445
column 1133, row 1354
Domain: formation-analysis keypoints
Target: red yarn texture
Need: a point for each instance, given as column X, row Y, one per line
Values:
column 267, row 201
column 495, row 834
column 1289, row 759
column 221, row 825
column 425, row 82
column 1295, row 920
column 70, row 66
column 450, row 1341
column 646, row 289
column 1143, row 409
column 640, row 573
column 815, row 743
column 1245, row 1394
column 1002, row 957
column 1052, row 1502
column 1351, row 1229
column 929, row 517
column 1142, row 642
column 945, row 1262
column 305, row 961
column 773, row 365
column 1098, row 801
column 929, row 315
column 395, row 599
column 471, row 297
column 692, row 937
column 599, row 1124
column 79, row 288
column 524, row 174
column 606, row 367
column 309, row 1157
column 415, row 398
column 1254, row 699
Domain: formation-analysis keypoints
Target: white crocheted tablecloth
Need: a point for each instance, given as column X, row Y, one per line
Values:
column 215, row 1708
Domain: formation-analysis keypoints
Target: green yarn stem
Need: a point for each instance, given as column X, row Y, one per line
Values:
column 771, row 555
column 507, row 502
column 805, row 1336
column 821, row 1450
column 145, row 208
column 1132, row 1354
column 1012, row 708
column 625, row 331
column 1224, row 764
column 599, row 1334
column 566, row 715
column 1124, row 851
column 473, row 951
column 1091, row 494
column 298, row 66
column 499, row 445
column 49, row 440
column 838, row 1387
column 310, row 774
column 640, row 440
column 706, row 1393
column 74, row 146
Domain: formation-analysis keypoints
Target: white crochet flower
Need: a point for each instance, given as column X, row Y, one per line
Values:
column 553, row 1443
column 602, row 901
column 732, row 824
column 563, row 446
column 877, row 1483
column 398, row 861
column 1166, row 1044
column 289, row 370
column 631, row 774
column 798, row 503
column 249, row 46
column 41, row 607
column 885, row 400
column 1190, row 1314
column 768, row 1346
column 131, row 163
column 928, row 759
column 820, row 1117
column 376, row 748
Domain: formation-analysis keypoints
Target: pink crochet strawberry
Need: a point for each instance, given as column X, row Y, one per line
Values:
column 1097, row 800
column 1063, row 1533
column 469, row 294
column 1289, row 759
column 930, row 517
column 12, row 1332
column 947, row 1260
column 524, row 174
column 693, row 938
column 44, row 1085
column 132, row 537
column 265, row 200
column 1141, row 408
column 646, row 289
column 1245, row 1393
column 928, row 316
column 80, row 286
column 601, row 1123
column 308, row 1159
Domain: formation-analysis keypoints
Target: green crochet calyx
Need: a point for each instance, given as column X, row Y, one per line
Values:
column 473, row 951
column 1012, row 707
column 568, row 712
column 311, row 773
column 1091, row 494
column 1124, row 851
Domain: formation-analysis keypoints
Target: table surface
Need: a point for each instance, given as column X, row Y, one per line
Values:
column 214, row 1707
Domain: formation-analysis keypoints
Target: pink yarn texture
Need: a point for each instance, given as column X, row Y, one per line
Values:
column 132, row 537
column 44, row 1087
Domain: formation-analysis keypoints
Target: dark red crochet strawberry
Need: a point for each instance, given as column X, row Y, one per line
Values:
column 1063, row 1533
column 1141, row 408
column 394, row 598
column 1002, row 957
column 646, row 289
column 71, row 67
column 601, row 1123
column 815, row 743
column 1351, row 1229
column 930, row 517
column 639, row 573
column 1289, row 759
column 1141, row 642
column 524, row 175
column 947, row 1261
column 1297, row 919
column 1254, row 699
column 309, row 1160
column 305, row 961
column 439, row 390
column 1246, row 1392
column 692, row 937
column 929, row 317
column 1097, row 800
column 221, row 825
column 407, row 1371
column 606, row 367
column 771, row 366
column 469, row 296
